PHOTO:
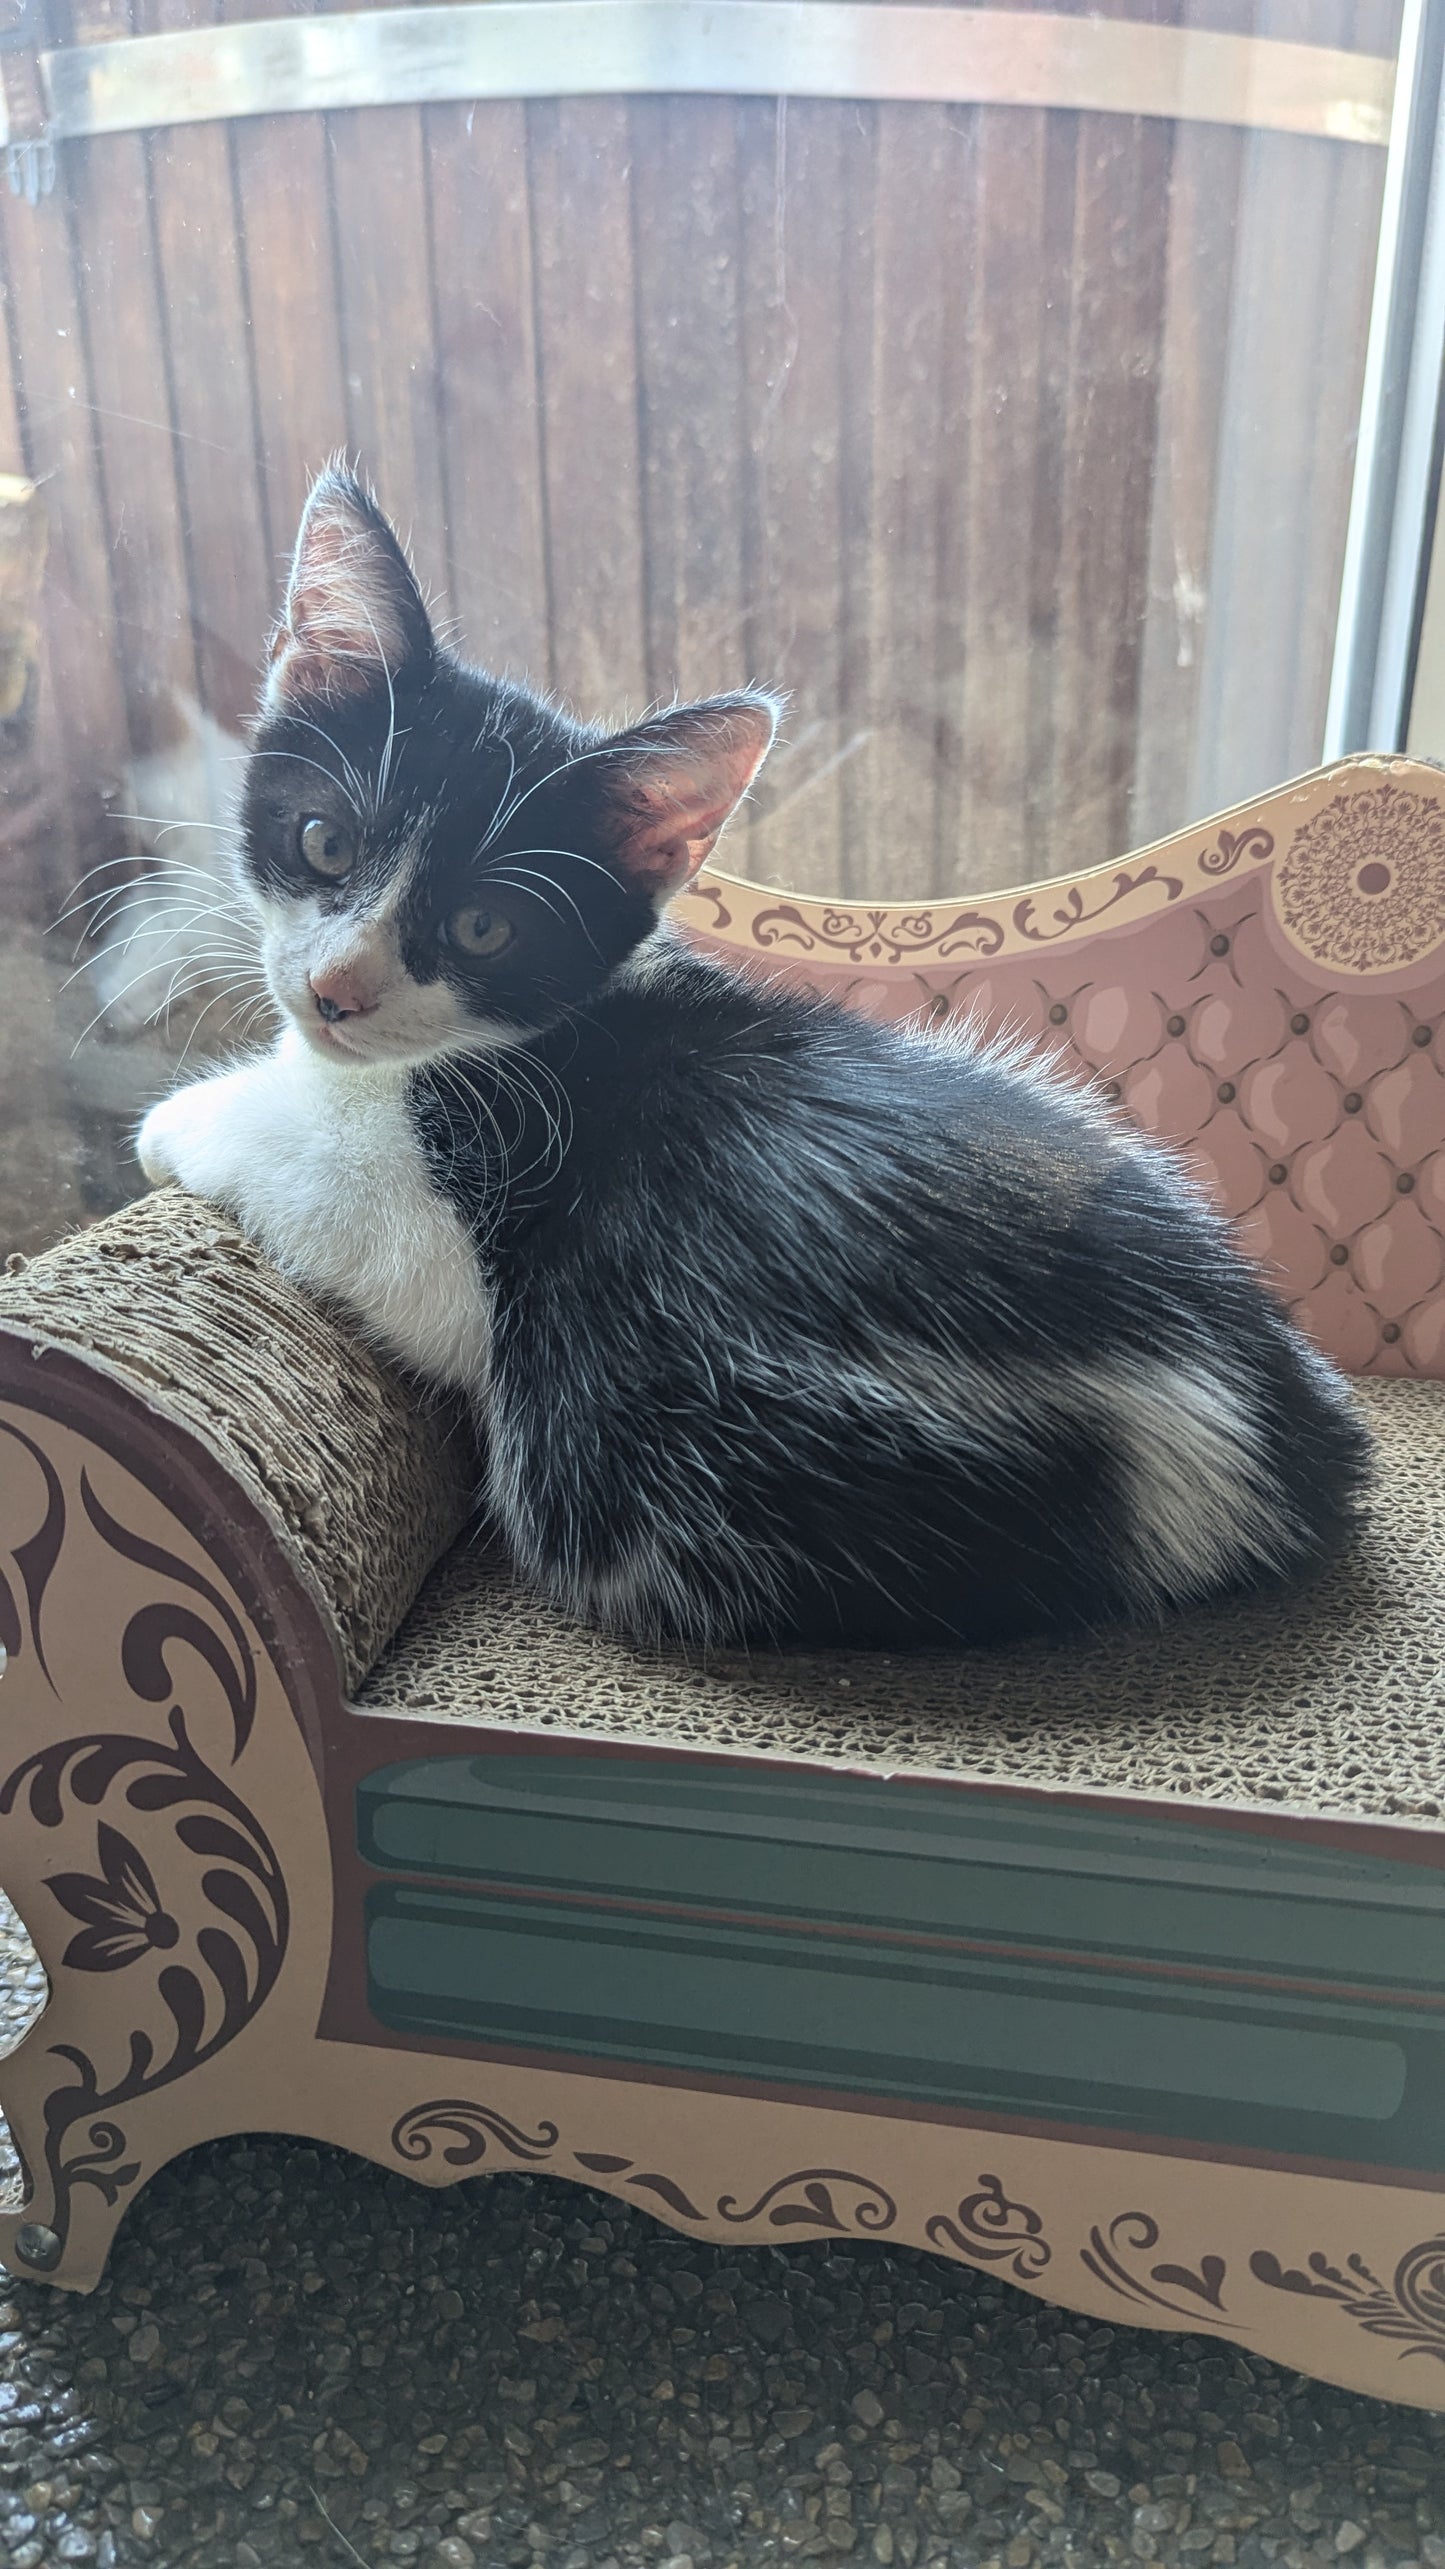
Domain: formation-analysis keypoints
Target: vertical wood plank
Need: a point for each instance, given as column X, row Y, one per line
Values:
column 1292, row 370
column 791, row 159
column 1109, row 440
column 384, row 271
column 984, row 834
column 107, row 184
column 1327, row 459
column 487, row 380
column 207, row 330
column 690, row 387
column 895, row 774
column 583, row 251
column 58, row 406
column 283, row 200
column 1203, row 215
column 30, row 759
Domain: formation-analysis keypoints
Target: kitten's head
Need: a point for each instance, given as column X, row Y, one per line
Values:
column 441, row 861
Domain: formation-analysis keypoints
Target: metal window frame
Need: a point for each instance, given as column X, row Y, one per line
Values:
column 1397, row 467
column 746, row 48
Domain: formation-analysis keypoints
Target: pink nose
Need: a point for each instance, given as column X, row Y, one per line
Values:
column 341, row 991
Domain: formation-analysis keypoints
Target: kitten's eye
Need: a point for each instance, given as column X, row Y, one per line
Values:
column 479, row 931
column 326, row 848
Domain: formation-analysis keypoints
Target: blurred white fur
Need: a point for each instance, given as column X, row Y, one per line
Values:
column 164, row 934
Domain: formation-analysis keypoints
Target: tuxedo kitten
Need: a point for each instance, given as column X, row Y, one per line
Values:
column 783, row 1327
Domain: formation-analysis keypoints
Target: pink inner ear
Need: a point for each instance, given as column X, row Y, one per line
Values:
column 674, row 833
column 345, row 616
column 678, row 800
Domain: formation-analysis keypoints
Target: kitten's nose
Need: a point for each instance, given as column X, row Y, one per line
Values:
column 340, row 992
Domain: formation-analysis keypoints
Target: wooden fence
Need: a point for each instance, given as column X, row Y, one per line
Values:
column 1016, row 442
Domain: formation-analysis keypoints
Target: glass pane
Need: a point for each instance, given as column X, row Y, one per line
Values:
column 1015, row 440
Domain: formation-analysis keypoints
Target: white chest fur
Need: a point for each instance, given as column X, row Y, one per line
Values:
column 321, row 1166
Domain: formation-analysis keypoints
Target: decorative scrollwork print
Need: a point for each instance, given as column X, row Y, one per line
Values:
column 878, row 936
column 1411, row 2307
column 203, row 1948
column 143, row 1647
column 1231, row 845
column 416, row 2135
column 810, row 2199
column 224, row 1967
column 34, row 1560
column 990, row 2228
column 1072, row 910
column 1132, row 2235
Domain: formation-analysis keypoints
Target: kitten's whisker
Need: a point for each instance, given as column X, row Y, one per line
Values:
column 506, row 789
column 118, row 903
column 136, row 880
column 158, row 821
column 519, row 883
column 581, row 758
column 137, row 936
column 200, row 1021
column 384, row 777
column 573, row 854
column 353, row 790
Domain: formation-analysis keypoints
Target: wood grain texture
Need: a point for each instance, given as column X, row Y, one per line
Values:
column 793, row 157
column 207, row 329
column 690, row 391
column 1016, row 444
column 896, row 770
column 283, row 199
column 388, row 338
column 487, row 384
column 986, row 638
column 1122, row 181
column 581, row 169
column 1292, row 370
column 54, row 388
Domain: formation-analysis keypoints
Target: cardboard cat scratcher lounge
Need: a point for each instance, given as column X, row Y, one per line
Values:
column 1118, row 1970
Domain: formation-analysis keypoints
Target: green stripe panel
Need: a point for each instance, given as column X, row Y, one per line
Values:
column 1255, row 2071
column 934, row 1860
column 918, row 1941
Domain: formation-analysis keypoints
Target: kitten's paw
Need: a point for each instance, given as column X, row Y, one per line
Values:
column 176, row 1140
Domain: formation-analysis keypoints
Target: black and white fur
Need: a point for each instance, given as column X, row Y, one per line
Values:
column 784, row 1327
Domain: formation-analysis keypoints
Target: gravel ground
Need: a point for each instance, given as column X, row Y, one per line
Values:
column 295, row 2358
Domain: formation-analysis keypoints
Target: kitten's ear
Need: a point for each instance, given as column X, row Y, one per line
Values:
column 672, row 782
column 354, row 616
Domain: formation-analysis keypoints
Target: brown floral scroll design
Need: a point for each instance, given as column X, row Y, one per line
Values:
column 1112, row 2256
column 642, row 2181
column 474, row 2130
column 991, row 2229
column 221, row 1641
column 707, row 895
column 34, row 1560
column 224, row 1969
column 817, row 2199
column 1073, row 912
column 1230, row 845
column 1411, row 2307
column 878, row 936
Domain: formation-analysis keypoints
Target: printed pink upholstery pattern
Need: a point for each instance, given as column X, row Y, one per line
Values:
column 1265, row 993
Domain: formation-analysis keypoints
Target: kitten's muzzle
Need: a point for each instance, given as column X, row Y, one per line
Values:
column 339, row 992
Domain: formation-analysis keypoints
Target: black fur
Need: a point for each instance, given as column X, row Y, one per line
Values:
column 806, row 1330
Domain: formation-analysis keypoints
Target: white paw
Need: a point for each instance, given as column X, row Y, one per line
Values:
column 178, row 1139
